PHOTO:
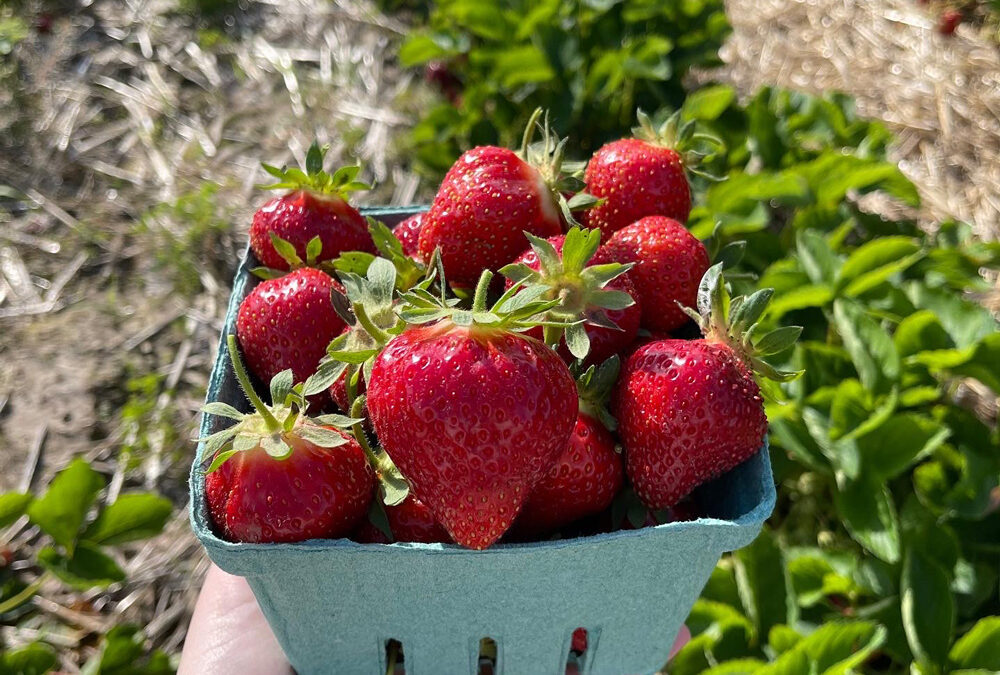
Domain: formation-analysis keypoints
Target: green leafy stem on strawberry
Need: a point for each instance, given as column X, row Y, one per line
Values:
column 562, row 177
column 580, row 288
column 692, row 145
column 736, row 323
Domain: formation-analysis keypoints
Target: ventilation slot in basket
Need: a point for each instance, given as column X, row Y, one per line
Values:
column 579, row 650
column 394, row 657
column 488, row 656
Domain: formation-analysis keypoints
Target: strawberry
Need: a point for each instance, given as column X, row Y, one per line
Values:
column 588, row 474
column 312, row 222
column 472, row 412
column 602, row 295
column 408, row 233
column 690, row 410
column 287, row 323
column 338, row 390
column 644, row 176
column 279, row 476
column 668, row 261
column 582, row 481
column 410, row 520
column 488, row 198
column 949, row 21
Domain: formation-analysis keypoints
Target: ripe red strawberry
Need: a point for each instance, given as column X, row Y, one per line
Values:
column 314, row 207
column 645, row 175
column 612, row 318
column 689, row 410
column 668, row 261
column 637, row 179
column 410, row 520
column 471, row 412
column 949, row 21
column 488, row 199
column 408, row 233
column 279, row 476
column 581, row 482
column 287, row 323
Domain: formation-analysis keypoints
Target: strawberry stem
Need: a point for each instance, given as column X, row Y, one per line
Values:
column 529, row 132
column 244, row 380
column 357, row 410
column 377, row 333
column 482, row 288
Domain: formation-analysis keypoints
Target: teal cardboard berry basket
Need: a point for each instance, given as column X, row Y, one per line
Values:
column 335, row 604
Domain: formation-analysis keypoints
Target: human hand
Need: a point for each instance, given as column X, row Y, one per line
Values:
column 228, row 633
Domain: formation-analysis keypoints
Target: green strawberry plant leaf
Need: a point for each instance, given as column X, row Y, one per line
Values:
column 764, row 585
column 87, row 568
column 13, row 506
column 818, row 260
column 903, row 439
column 871, row 349
column 837, row 648
column 36, row 658
column 123, row 652
column 60, row 512
column 979, row 648
column 869, row 515
column 927, row 606
column 129, row 518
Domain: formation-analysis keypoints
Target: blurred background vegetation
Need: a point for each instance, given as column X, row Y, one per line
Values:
column 130, row 140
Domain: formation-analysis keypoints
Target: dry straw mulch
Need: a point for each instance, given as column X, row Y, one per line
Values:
column 940, row 95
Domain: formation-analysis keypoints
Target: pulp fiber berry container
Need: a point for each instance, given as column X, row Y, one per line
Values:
column 335, row 604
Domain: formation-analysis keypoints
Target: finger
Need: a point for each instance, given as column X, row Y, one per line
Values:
column 228, row 634
column 683, row 637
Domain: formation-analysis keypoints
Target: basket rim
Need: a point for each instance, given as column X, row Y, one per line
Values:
column 749, row 522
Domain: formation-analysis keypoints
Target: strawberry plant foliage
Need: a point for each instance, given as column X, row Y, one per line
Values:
column 64, row 513
column 886, row 475
column 591, row 63
column 78, row 532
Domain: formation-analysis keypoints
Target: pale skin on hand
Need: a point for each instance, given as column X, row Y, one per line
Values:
column 228, row 634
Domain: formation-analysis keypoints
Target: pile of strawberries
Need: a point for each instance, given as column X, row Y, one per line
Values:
column 497, row 371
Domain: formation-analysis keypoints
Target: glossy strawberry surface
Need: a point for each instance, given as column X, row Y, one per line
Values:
column 299, row 216
column 408, row 233
column 488, row 199
column 287, row 323
column 636, row 179
column 604, row 342
column 474, row 418
column 669, row 264
column 688, row 410
column 313, row 493
column 583, row 481
column 410, row 520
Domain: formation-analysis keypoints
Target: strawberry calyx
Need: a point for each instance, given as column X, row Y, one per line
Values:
column 735, row 322
column 338, row 185
column 409, row 271
column 368, row 307
column 559, row 175
column 594, row 386
column 579, row 289
column 518, row 309
column 287, row 251
column 692, row 145
column 392, row 485
column 275, row 427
